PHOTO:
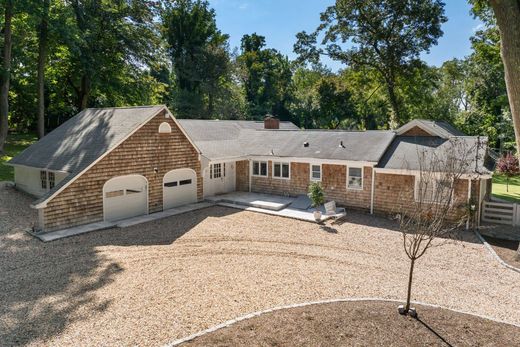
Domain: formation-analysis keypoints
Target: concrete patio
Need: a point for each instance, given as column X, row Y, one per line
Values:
column 283, row 206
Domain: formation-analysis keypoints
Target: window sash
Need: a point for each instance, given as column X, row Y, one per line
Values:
column 316, row 172
column 281, row 170
column 260, row 168
column 217, row 170
column 43, row 179
column 52, row 179
column 355, row 178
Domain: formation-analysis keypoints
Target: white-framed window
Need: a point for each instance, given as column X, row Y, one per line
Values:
column 355, row 178
column 260, row 168
column 315, row 172
column 215, row 170
column 165, row 128
column 43, row 179
column 281, row 170
column 52, row 179
column 433, row 190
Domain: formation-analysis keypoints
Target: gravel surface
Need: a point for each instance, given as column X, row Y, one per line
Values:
column 149, row 284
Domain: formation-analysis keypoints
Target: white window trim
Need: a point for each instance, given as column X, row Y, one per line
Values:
column 416, row 191
column 362, row 176
column 281, row 163
column 310, row 172
column 259, row 169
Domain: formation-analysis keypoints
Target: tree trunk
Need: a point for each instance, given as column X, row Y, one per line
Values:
column 84, row 92
column 410, row 280
column 394, row 120
column 5, row 75
column 42, row 57
column 507, row 13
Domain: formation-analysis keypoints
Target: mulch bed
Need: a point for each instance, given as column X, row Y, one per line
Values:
column 505, row 249
column 365, row 323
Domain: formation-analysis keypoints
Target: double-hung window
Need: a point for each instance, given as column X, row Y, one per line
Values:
column 215, row 170
column 281, row 170
column 355, row 178
column 47, row 179
column 315, row 172
column 43, row 179
column 260, row 168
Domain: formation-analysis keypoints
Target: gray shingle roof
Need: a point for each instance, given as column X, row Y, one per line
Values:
column 81, row 140
column 230, row 139
column 84, row 138
column 403, row 153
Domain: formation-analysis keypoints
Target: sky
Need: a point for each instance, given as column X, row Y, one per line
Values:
column 280, row 20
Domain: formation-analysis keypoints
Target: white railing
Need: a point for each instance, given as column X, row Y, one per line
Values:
column 501, row 213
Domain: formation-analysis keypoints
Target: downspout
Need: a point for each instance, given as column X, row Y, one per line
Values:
column 479, row 202
column 469, row 201
column 373, row 183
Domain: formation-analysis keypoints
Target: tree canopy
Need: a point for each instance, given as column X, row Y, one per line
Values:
column 68, row 55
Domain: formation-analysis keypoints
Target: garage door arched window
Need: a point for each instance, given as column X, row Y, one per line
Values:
column 165, row 128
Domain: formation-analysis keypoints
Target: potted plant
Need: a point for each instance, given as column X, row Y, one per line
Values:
column 317, row 196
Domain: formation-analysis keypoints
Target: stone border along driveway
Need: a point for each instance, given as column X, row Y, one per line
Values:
column 303, row 304
column 494, row 254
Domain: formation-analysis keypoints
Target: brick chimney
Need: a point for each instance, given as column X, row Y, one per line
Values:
column 271, row 122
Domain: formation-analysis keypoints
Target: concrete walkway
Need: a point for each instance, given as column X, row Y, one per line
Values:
column 82, row 229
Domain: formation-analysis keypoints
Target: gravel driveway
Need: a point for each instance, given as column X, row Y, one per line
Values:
column 149, row 284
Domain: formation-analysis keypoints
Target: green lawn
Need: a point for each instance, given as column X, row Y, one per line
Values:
column 14, row 145
column 499, row 188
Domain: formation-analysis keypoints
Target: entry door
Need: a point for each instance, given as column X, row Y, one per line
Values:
column 179, row 188
column 222, row 177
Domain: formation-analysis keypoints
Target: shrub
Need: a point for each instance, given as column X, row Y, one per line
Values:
column 316, row 194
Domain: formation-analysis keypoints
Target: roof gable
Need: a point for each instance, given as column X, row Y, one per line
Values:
column 432, row 128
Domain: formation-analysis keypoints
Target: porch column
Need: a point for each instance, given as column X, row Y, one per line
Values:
column 372, row 189
column 250, row 171
column 469, row 200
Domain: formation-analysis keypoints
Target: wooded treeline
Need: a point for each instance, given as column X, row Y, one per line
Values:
column 70, row 54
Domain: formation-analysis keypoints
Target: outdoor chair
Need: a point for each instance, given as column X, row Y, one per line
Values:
column 334, row 212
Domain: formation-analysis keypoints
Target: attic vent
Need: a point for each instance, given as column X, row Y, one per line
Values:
column 305, row 144
column 341, row 144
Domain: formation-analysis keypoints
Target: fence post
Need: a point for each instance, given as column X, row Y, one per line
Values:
column 515, row 214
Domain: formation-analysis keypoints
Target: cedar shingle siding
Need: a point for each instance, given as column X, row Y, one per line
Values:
column 82, row 201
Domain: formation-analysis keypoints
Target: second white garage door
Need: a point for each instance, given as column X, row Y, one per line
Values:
column 179, row 188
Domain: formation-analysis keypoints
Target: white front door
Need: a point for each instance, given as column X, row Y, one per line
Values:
column 125, row 197
column 219, row 178
column 179, row 188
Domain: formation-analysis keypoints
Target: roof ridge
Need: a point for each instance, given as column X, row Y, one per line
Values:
column 124, row 107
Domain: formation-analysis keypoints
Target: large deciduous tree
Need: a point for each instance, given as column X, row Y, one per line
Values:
column 5, row 73
column 266, row 77
column 507, row 14
column 42, row 57
column 108, row 42
column 199, row 56
column 384, row 35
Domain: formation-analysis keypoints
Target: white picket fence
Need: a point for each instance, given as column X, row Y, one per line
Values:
column 501, row 213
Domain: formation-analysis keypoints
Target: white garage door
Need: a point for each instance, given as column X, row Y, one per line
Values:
column 179, row 188
column 125, row 197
